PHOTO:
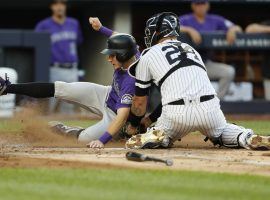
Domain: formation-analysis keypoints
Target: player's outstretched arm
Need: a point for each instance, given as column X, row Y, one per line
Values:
column 114, row 128
column 97, row 26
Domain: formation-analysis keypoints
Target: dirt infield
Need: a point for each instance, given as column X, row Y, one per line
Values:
column 36, row 146
column 190, row 154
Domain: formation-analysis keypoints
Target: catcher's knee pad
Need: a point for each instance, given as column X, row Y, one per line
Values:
column 220, row 142
column 215, row 140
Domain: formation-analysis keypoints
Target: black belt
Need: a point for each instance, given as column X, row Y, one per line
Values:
column 202, row 99
column 65, row 65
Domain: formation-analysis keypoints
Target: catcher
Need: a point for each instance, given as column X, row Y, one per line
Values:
column 189, row 101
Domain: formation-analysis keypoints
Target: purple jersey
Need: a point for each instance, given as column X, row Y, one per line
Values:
column 64, row 39
column 212, row 23
column 123, row 86
column 123, row 89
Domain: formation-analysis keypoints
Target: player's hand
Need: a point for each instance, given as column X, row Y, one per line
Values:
column 231, row 36
column 95, row 23
column 145, row 123
column 95, row 144
column 195, row 36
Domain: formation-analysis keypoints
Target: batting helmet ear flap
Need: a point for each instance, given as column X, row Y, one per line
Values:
column 122, row 57
column 125, row 56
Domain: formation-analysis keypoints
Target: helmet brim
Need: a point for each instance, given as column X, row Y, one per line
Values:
column 107, row 52
column 112, row 51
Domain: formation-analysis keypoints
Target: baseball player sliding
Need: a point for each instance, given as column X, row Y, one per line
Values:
column 154, row 101
column 189, row 102
column 112, row 103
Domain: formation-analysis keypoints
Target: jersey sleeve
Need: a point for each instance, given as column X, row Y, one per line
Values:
column 126, row 93
column 40, row 27
column 223, row 24
column 143, row 77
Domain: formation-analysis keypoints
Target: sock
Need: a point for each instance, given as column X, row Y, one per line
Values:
column 36, row 90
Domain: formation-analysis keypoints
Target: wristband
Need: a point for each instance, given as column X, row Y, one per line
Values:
column 134, row 120
column 106, row 31
column 106, row 137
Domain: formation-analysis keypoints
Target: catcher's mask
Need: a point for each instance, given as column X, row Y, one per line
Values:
column 161, row 25
column 123, row 46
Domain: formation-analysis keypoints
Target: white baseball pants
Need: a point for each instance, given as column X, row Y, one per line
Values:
column 93, row 98
column 179, row 120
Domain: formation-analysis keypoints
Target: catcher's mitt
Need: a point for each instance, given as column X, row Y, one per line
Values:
column 152, row 139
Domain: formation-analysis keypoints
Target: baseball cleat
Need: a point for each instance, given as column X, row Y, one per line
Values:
column 3, row 84
column 258, row 142
column 149, row 140
column 60, row 128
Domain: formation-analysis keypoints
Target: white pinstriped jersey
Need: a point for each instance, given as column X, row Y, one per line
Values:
column 187, row 82
column 185, row 79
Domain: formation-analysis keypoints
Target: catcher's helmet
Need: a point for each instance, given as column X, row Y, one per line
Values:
column 161, row 25
column 123, row 46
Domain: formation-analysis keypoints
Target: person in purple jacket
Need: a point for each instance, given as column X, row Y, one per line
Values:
column 201, row 22
column 112, row 103
column 66, row 35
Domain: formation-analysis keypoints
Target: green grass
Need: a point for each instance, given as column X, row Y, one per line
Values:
column 15, row 126
column 69, row 184
column 82, row 123
column 76, row 184
column 9, row 126
column 260, row 127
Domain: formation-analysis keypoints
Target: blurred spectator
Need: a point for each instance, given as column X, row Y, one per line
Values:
column 263, row 27
column 201, row 22
column 66, row 35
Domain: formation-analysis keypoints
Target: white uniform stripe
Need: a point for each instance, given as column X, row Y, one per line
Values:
column 188, row 83
column 143, row 86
